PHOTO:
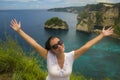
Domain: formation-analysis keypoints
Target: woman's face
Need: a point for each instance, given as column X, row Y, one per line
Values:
column 57, row 46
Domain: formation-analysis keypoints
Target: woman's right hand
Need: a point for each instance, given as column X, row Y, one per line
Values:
column 15, row 25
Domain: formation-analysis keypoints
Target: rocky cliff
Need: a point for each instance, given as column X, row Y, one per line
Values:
column 102, row 14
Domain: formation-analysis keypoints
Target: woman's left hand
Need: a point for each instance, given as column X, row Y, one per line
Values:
column 107, row 32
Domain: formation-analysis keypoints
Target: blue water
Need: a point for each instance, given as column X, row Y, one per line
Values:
column 102, row 60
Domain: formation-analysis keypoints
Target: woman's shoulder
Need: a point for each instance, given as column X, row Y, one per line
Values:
column 70, row 56
column 70, row 53
column 50, row 53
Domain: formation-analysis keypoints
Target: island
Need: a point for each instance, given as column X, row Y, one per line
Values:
column 56, row 23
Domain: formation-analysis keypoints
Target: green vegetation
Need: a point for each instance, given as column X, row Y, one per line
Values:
column 117, row 29
column 117, row 21
column 117, row 25
column 81, row 77
column 83, row 14
column 16, row 65
column 98, row 18
column 56, row 21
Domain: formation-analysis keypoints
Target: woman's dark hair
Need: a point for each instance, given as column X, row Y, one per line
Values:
column 47, row 44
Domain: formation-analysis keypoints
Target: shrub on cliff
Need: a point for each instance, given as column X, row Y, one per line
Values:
column 14, row 61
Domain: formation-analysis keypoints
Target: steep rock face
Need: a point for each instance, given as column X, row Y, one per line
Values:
column 53, row 26
column 80, row 27
column 105, row 15
column 86, row 23
column 109, row 16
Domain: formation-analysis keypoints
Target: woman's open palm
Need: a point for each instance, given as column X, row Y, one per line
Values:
column 15, row 25
column 108, row 31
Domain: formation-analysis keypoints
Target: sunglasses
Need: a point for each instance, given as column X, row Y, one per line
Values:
column 55, row 46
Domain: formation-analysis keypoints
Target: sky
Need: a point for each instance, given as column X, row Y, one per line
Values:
column 47, row 4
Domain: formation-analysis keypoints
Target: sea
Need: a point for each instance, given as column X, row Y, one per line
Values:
column 99, row 62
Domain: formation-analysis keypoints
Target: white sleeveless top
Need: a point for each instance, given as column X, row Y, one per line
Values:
column 54, row 70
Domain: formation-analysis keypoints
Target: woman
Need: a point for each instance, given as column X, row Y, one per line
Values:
column 59, row 63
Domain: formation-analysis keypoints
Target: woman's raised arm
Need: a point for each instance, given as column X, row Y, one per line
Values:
column 17, row 27
column 92, row 42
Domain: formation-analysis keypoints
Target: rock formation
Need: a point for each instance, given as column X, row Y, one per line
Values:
column 102, row 14
column 56, row 23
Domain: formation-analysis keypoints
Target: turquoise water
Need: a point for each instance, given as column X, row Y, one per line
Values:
column 102, row 60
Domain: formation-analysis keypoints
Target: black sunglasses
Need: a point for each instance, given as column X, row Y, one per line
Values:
column 55, row 46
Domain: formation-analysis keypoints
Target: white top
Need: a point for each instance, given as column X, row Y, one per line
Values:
column 54, row 70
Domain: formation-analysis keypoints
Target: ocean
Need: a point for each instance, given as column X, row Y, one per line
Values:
column 99, row 62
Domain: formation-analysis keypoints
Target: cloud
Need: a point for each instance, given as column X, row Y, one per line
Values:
column 101, row 0
column 18, row 0
column 54, row 1
column 114, row 1
column 31, row 0
column 109, row 1
column 77, row 2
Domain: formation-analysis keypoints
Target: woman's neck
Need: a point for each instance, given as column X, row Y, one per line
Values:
column 60, row 56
